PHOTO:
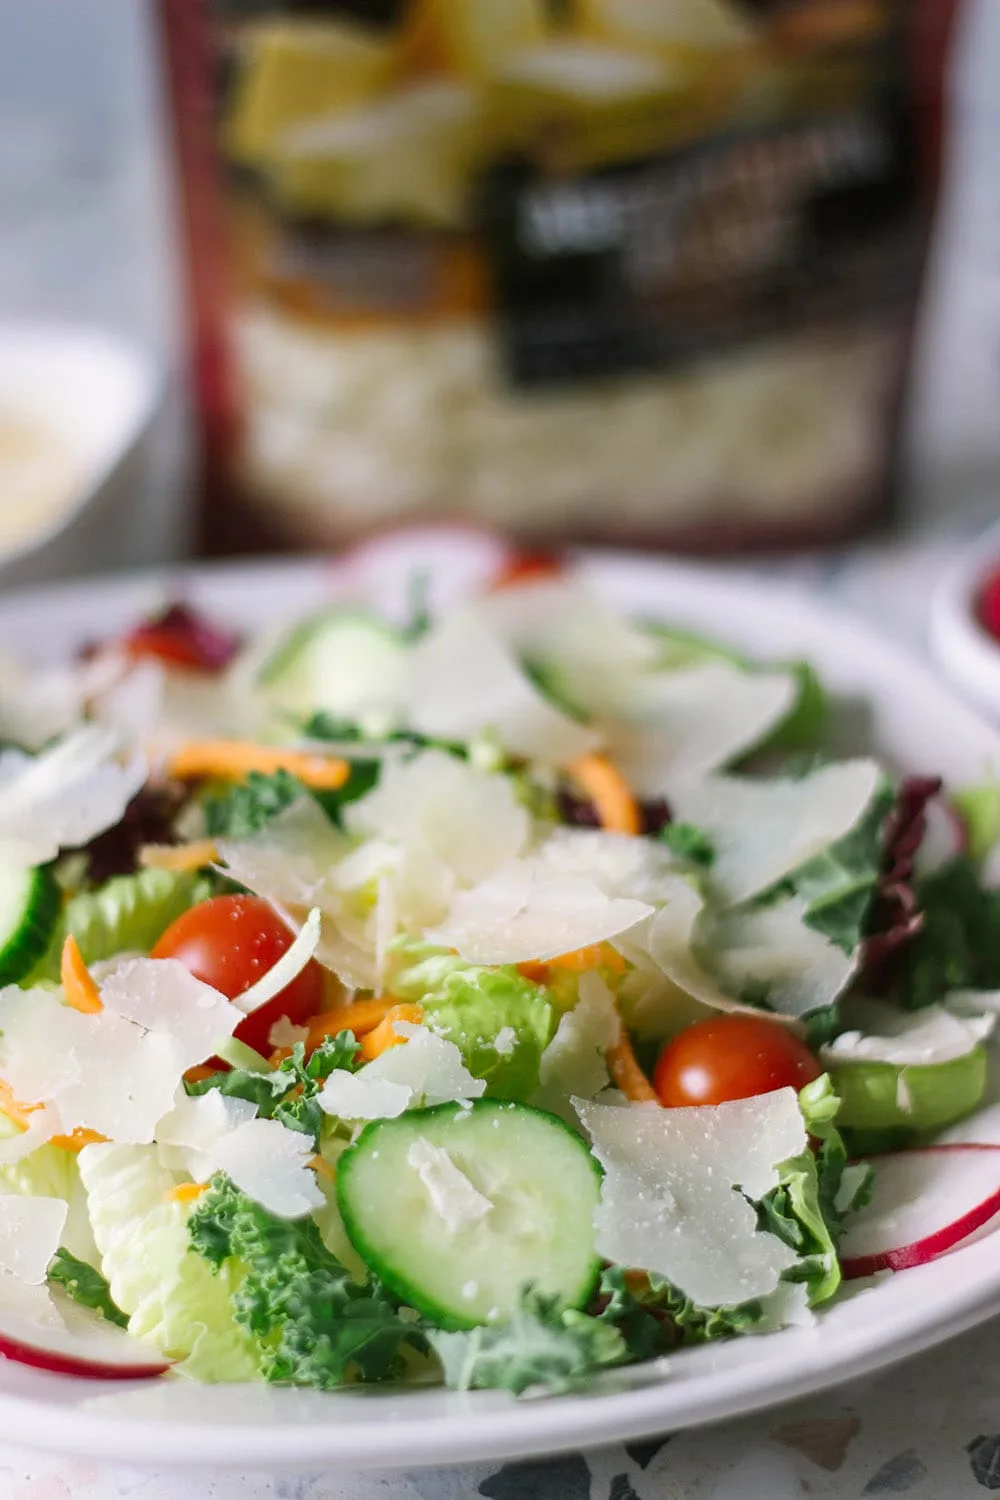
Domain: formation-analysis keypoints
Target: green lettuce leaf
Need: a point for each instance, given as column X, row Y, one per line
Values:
column 839, row 884
column 814, row 1195
column 540, row 1345
column 471, row 1006
column 289, row 1093
column 85, row 1285
column 246, row 808
column 655, row 1317
column 958, row 945
column 127, row 914
column 979, row 808
column 313, row 1323
column 689, row 842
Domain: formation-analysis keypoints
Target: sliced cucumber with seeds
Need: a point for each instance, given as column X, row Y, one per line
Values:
column 459, row 1208
column 30, row 903
column 342, row 663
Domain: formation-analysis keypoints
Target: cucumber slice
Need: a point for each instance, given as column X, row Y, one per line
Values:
column 30, row 903
column 459, row 1208
column 341, row 663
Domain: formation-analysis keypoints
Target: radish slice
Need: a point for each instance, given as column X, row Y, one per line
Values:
column 48, row 1331
column 458, row 561
column 925, row 1201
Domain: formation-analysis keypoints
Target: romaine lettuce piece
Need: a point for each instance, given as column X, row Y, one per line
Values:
column 500, row 1022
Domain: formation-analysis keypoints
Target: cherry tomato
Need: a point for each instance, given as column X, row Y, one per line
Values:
column 229, row 942
column 181, row 637
column 731, row 1057
column 527, row 567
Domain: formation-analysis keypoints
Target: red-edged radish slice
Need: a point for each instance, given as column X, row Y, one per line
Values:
column 925, row 1201
column 49, row 1332
column 460, row 562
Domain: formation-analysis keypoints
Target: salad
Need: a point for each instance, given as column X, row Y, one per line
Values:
column 494, row 999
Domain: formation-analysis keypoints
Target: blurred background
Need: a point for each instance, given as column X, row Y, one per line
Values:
column 711, row 275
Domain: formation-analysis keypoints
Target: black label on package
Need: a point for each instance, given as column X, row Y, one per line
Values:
column 735, row 239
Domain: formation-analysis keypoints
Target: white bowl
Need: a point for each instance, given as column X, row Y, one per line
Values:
column 960, row 646
column 96, row 395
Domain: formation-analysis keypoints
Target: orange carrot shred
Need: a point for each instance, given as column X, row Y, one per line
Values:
column 616, row 807
column 77, row 981
column 360, row 1017
column 180, row 857
column 535, row 969
column 199, row 1073
column 322, row 1167
column 13, row 1108
column 232, row 760
column 77, row 1139
column 384, row 1036
column 594, row 956
column 185, row 1192
column 627, row 1073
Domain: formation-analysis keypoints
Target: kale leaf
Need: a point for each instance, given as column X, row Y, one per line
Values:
column 85, row 1285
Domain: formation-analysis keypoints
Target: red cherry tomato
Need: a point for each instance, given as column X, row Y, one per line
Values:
column 527, row 567
column 731, row 1057
column 181, row 637
column 229, row 942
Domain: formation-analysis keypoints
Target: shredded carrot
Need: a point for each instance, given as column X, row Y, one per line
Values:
column 321, row 1167
column 13, row 1108
column 77, row 1139
column 185, row 1192
column 199, row 1073
column 535, row 969
column 627, row 1073
column 616, row 808
column 77, row 981
column 374, row 1043
column 278, row 1055
column 180, row 857
column 232, row 760
column 360, row 1017
column 595, row 956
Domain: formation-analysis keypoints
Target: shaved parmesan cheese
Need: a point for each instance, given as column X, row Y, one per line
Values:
column 527, row 911
column 453, row 1197
column 37, row 706
column 762, row 830
column 189, row 1134
column 574, row 1062
column 270, row 1163
column 431, row 1068
column 288, row 967
column 923, row 1037
column 30, row 1231
column 505, row 1041
column 773, row 950
column 285, row 1033
column 592, row 653
column 288, row 860
column 667, row 938
column 682, row 725
column 470, row 820
column 640, row 869
column 463, row 681
column 65, row 796
column 673, row 1202
column 115, row 1072
column 354, row 1096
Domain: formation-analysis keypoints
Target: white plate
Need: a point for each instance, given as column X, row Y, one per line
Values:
column 915, row 722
